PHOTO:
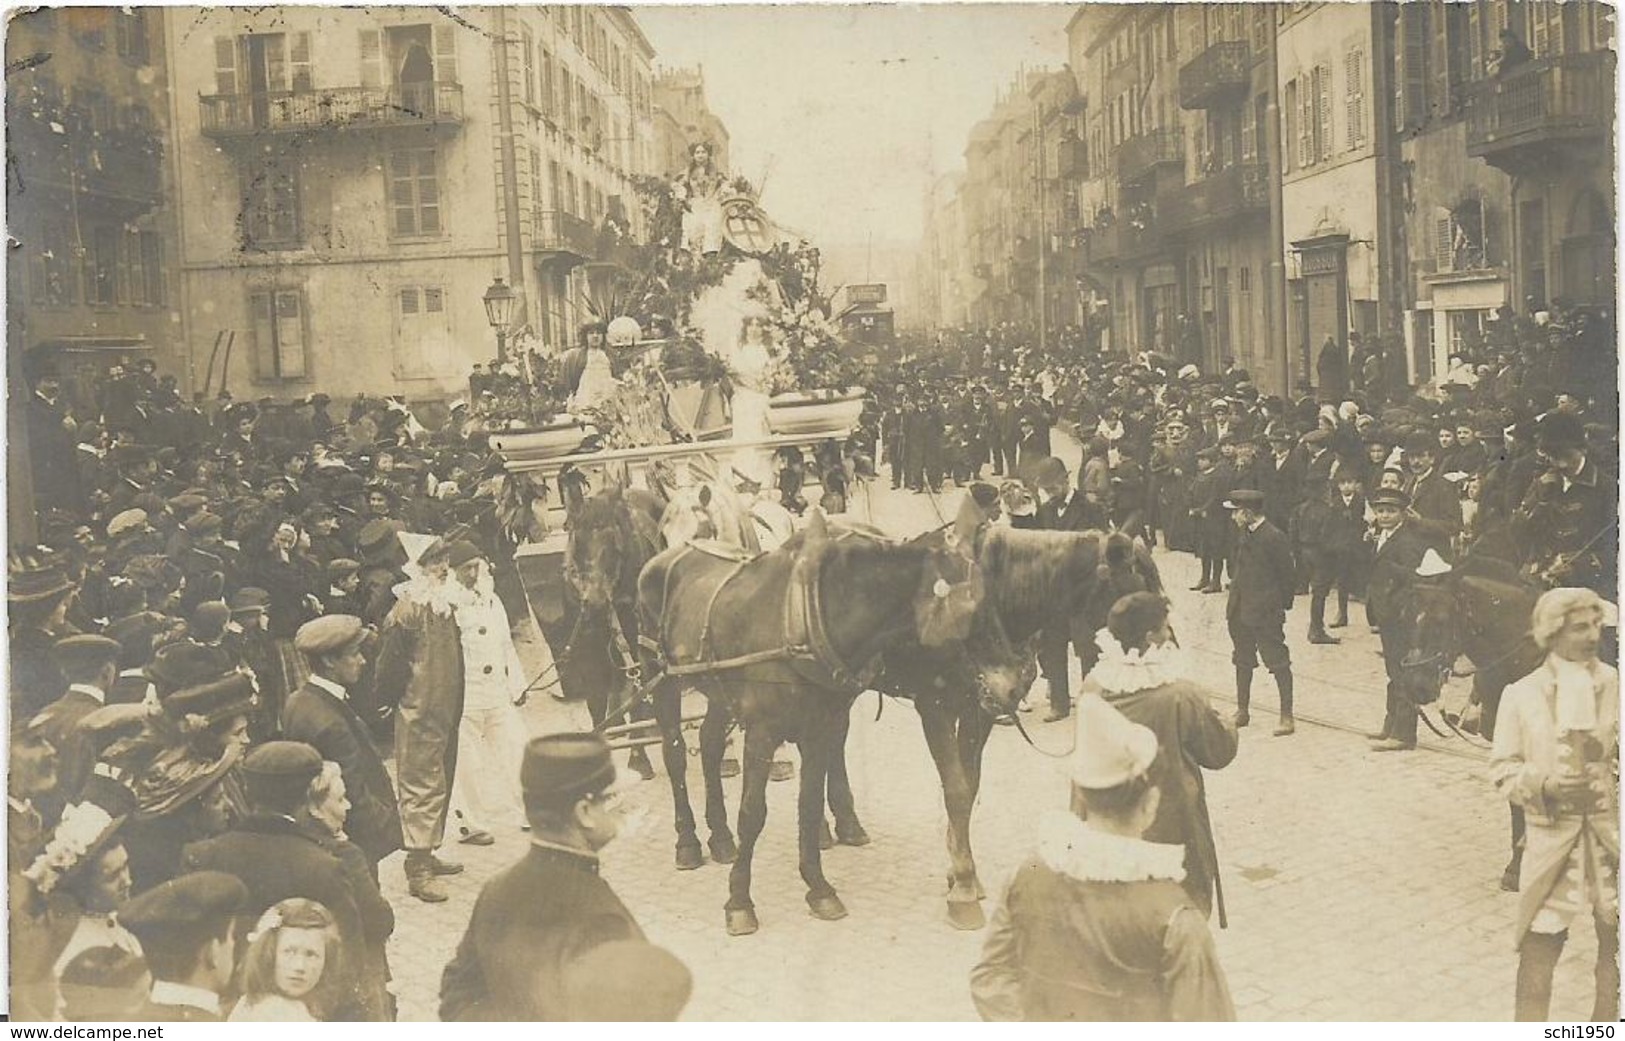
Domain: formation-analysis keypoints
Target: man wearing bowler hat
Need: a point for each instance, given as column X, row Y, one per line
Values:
column 187, row 934
column 1096, row 926
column 320, row 714
column 538, row 918
column 1262, row 586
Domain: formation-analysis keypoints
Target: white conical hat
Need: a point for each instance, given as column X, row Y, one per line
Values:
column 1432, row 565
column 1110, row 750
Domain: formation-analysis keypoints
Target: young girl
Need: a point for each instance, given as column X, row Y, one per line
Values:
column 292, row 972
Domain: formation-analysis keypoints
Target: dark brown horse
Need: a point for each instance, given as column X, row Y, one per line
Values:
column 1033, row 580
column 612, row 534
column 1481, row 610
column 784, row 643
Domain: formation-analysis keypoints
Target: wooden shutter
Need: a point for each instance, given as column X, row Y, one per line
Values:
column 1411, row 112
column 1444, row 239
column 299, row 75
column 372, row 58
column 1323, row 112
column 1354, row 96
column 225, row 65
column 1289, row 131
column 445, row 54
column 290, row 334
column 527, row 51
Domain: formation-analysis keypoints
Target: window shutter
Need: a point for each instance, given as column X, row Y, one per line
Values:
column 445, row 54
column 299, row 62
column 1354, row 93
column 1306, row 122
column 259, row 310
column 1411, row 112
column 527, row 51
column 1289, row 129
column 1323, row 112
column 1249, row 139
column 1444, row 239
column 372, row 58
column 290, row 335
column 225, row 65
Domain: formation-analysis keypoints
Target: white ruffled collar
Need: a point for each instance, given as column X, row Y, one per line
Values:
column 1125, row 672
column 1069, row 846
column 442, row 596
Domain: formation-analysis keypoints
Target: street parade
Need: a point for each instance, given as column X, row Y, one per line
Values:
column 716, row 649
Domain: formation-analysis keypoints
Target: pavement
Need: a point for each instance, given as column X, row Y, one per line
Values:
column 1360, row 886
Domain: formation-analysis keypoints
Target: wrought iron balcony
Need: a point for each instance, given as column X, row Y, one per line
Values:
column 1514, row 123
column 1234, row 192
column 1123, row 240
column 1139, row 156
column 332, row 108
column 565, row 236
column 1217, row 77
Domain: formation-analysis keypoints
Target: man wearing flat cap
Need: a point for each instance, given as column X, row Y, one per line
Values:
column 187, row 931
column 1401, row 545
column 533, row 922
column 320, row 714
column 1262, row 586
column 1095, row 926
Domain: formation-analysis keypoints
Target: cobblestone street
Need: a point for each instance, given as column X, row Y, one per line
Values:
column 1360, row 886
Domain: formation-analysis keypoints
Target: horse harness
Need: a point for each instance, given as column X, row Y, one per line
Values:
column 806, row 647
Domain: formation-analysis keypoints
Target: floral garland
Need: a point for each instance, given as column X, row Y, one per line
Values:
column 83, row 827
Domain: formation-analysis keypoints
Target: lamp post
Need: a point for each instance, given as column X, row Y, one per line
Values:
column 499, row 304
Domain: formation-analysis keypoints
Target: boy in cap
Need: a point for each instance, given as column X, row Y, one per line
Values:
column 1095, row 926
column 1261, row 592
column 187, row 931
column 533, row 922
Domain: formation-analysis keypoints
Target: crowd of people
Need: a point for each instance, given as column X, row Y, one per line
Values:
column 235, row 615
column 227, row 628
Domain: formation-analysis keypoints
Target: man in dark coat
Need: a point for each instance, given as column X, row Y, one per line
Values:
column 1261, row 591
column 272, row 854
column 1435, row 502
column 1401, row 545
column 1061, row 508
column 536, row 919
column 1569, row 517
column 320, row 715
column 51, row 430
column 90, row 665
column 1332, row 371
column 187, row 931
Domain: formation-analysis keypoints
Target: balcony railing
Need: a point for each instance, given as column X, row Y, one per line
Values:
column 1236, row 191
column 1124, row 239
column 1139, row 156
column 1217, row 76
column 1567, row 98
column 565, row 234
column 332, row 108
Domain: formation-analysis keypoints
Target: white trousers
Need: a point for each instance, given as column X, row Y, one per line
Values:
column 490, row 748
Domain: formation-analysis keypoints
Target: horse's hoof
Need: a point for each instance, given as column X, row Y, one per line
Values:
column 730, row 767
column 640, row 765
column 966, row 915
column 852, row 836
column 828, row 908
column 742, row 922
column 689, row 856
column 826, row 840
column 723, row 849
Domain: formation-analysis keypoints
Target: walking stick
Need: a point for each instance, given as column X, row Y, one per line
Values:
column 208, row 377
column 225, row 366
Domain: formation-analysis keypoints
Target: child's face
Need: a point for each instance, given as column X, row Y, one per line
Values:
column 301, row 954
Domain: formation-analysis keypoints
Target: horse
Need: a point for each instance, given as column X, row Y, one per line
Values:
column 1033, row 580
column 757, row 635
column 611, row 535
column 1480, row 609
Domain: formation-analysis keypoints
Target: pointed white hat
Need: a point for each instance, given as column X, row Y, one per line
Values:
column 1432, row 565
column 1111, row 750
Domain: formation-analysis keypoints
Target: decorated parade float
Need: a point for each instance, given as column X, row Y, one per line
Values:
column 712, row 361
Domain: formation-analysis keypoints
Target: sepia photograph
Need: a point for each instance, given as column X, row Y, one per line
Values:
column 745, row 513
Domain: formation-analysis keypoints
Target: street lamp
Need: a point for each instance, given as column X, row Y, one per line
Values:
column 499, row 304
